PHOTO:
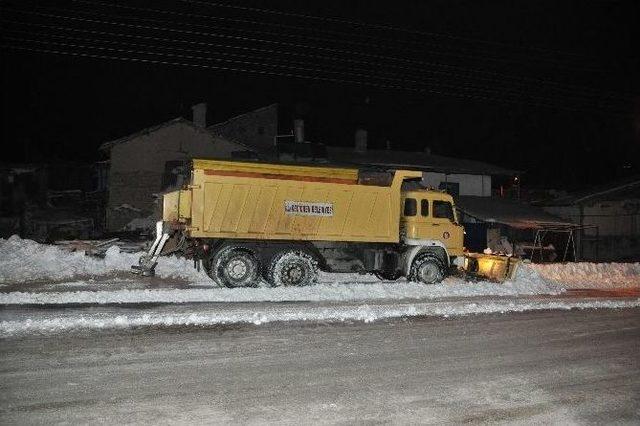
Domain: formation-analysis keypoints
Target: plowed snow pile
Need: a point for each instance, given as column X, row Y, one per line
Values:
column 591, row 275
column 25, row 260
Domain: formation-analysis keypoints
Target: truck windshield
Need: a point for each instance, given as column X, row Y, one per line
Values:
column 443, row 210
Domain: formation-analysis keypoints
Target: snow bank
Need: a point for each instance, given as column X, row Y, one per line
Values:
column 332, row 292
column 590, row 275
column 25, row 260
column 265, row 314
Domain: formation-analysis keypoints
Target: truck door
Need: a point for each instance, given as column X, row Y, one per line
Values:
column 443, row 224
column 432, row 219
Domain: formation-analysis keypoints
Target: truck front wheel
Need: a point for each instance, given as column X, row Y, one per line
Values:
column 234, row 267
column 427, row 269
column 292, row 268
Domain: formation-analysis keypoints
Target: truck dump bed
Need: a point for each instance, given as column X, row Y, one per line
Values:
column 286, row 202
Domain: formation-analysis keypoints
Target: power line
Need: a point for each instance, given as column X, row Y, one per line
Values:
column 376, row 26
column 242, row 62
column 182, row 60
column 487, row 72
column 304, row 67
column 242, row 38
column 94, row 32
column 346, row 37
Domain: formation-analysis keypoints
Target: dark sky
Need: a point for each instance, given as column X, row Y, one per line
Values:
column 547, row 87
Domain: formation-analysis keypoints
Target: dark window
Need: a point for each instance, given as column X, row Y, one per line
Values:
column 443, row 210
column 174, row 174
column 410, row 207
column 451, row 188
column 424, row 207
column 261, row 130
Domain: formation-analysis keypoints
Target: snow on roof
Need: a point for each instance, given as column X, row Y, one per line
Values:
column 509, row 212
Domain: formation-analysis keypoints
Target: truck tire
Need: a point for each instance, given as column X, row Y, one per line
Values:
column 292, row 268
column 427, row 268
column 234, row 267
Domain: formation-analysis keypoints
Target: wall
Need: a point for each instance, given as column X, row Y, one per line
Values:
column 474, row 185
column 256, row 129
column 137, row 167
column 617, row 236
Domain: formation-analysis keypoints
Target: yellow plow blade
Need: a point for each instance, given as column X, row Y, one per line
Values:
column 491, row 266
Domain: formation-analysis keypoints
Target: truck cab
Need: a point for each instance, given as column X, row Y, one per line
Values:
column 429, row 215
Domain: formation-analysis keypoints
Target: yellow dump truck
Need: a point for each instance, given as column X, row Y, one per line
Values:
column 245, row 221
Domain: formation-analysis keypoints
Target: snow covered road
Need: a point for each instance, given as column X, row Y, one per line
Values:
column 35, row 274
column 548, row 367
column 30, row 320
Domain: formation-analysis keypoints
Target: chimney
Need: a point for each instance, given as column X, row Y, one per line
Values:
column 388, row 145
column 200, row 114
column 298, row 130
column 361, row 140
column 427, row 150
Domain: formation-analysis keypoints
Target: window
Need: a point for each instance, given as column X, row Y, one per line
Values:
column 451, row 188
column 410, row 207
column 424, row 207
column 443, row 210
column 174, row 174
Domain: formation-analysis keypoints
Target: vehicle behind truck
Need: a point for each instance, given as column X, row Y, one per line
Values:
column 245, row 222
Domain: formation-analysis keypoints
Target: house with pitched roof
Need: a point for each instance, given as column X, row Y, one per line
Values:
column 149, row 161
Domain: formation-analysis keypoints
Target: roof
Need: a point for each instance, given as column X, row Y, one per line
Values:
column 509, row 212
column 416, row 160
column 151, row 129
column 224, row 129
column 619, row 190
column 215, row 127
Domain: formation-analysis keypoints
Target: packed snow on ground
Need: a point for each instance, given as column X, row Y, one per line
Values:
column 591, row 275
column 25, row 260
column 260, row 314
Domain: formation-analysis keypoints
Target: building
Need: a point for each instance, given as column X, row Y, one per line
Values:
column 256, row 129
column 459, row 177
column 48, row 202
column 150, row 161
column 609, row 216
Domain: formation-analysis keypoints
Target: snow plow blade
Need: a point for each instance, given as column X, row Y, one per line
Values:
column 491, row 267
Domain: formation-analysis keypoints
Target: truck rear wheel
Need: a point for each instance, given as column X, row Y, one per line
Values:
column 292, row 268
column 427, row 268
column 234, row 267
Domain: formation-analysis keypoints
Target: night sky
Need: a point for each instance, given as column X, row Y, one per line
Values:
column 547, row 87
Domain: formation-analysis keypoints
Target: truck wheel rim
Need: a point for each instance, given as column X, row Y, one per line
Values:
column 429, row 273
column 294, row 275
column 236, row 269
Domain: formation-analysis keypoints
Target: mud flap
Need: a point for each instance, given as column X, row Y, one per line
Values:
column 491, row 267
